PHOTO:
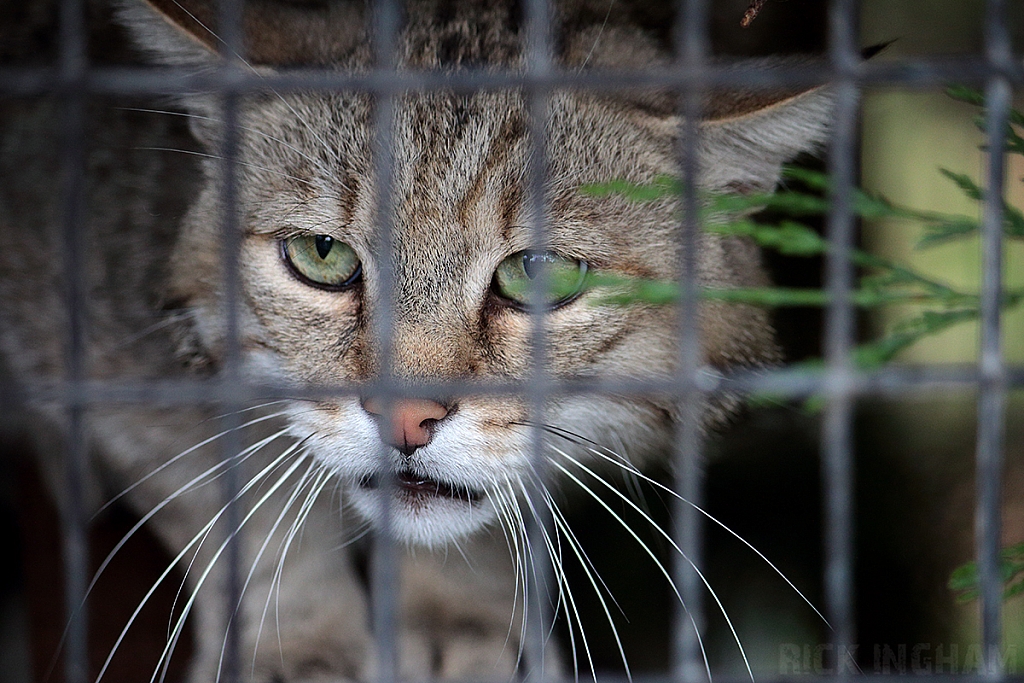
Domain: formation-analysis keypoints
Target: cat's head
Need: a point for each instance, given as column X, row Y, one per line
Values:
column 313, row 269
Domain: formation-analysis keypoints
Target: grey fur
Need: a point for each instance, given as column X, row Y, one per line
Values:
column 155, row 308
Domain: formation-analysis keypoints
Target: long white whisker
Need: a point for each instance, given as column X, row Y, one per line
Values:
column 179, row 625
column 264, row 135
column 203, row 532
column 527, row 562
column 175, row 633
column 248, row 452
column 316, row 487
column 256, row 480
column 252, row 568
column 500, row 505
column 297, row 489
column 168, row 319
column 600, row 31
column 551, row 552
column 643, row 545
column 565, row 602
column 184, row 453
column 516, row 527
column 237, row 459
column 360, row 532
column 248, row 409
column 207, row 155
column 565, row 530
column 177, row 630
column 620, row 461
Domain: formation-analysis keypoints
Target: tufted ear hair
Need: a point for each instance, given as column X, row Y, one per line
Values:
column 275, row 32
column 747, row 137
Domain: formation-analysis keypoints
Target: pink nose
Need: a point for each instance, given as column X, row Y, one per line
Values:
column 412, row 421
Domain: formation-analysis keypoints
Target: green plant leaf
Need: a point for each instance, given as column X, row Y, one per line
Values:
column 964, row 182
column 878, row 353
column 1013, row 222
column 977, row 98
column 964, row 578
column 788, row 237
column 947, row 230
column 963, row 93
column 661, row 187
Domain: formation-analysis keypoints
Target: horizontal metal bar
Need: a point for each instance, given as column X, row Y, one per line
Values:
column 825, row 677
column 786, row 382
column 927, row 72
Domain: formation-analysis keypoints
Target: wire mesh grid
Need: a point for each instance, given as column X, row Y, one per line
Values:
column 692, row 72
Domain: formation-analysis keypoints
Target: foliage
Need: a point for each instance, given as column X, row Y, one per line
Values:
column 1011, row 568
column 882, row 282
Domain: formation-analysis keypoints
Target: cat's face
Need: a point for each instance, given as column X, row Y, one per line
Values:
column 311, row 269
column 313, row 278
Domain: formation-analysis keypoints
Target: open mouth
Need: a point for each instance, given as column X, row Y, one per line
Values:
column 420, row 487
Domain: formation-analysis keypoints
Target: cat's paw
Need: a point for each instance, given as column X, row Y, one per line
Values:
column 464, row 652
column 317, row 631
column 319, row 655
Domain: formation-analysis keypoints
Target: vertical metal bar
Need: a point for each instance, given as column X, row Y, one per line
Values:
column 538, row 21
column 992, row 399
column 385, row 560
column 837, row 432
column 689, row 654
column 74, row 528
column 229, row 29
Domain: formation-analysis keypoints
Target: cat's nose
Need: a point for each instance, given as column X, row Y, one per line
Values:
column 412, row 421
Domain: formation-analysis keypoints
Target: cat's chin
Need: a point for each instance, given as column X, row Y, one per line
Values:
column 423, row 511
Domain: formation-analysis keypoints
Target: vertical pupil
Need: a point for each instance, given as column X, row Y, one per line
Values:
column 323, row 245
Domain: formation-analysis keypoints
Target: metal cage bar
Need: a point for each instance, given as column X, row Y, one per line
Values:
column 74, row 81
column 992, row 399
column 232, row 60
column 690, row 621
column 922, row 72
column 385, row 558
column 840, row 332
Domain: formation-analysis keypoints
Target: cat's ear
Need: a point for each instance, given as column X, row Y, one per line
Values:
column 746, row 138
column 275, row 32
column 171, row 33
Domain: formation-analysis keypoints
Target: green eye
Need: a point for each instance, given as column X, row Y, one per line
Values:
column 565, row 277
column 322, row 261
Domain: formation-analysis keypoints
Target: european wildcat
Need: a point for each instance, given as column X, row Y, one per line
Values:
column 310, row 282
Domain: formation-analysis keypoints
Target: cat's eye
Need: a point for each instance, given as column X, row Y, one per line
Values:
column 322, row 261
column 565, row 277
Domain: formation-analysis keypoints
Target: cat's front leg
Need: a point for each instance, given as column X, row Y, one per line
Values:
column 303, row 614
column 461, row 611
column 306, row 616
